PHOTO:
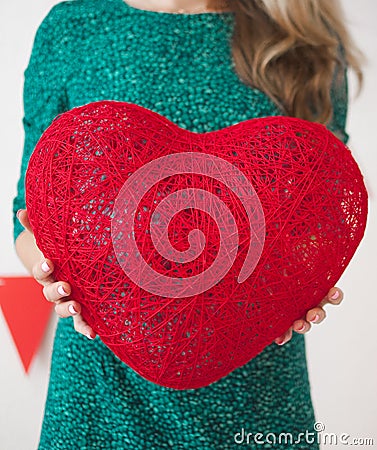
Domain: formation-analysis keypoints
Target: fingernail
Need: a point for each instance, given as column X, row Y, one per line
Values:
column 280, row 341
column 72, row 310
column 18, row 213
column 302, row 328
column 315, row 318
column 45, row 267
column 335, row 295
column 62, row 291
column 89, row 336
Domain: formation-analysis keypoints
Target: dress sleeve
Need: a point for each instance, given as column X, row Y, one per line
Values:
column 44, row 95
column 339, row 97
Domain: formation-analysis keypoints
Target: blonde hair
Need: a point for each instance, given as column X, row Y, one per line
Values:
column 292, row 50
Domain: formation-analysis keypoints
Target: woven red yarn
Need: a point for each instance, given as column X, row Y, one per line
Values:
column 315, row 207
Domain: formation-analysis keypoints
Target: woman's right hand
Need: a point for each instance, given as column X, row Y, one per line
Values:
column 54, row 291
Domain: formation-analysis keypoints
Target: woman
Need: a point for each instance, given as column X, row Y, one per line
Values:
column 203, row 65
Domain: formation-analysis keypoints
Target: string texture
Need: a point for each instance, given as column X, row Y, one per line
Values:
column 314, row 203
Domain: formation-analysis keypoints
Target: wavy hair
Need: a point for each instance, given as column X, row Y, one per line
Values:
column 295, row 51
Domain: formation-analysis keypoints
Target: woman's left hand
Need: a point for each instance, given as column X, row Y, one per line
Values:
column 315, row 315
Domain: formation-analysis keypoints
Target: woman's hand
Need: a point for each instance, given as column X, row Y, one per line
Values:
column 54, row 291
column 315, row 315
column 59, row 292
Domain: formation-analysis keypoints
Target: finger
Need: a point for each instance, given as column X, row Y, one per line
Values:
column 23, row 217
column 316, row 315
column 67, row 308
column 284, row 338
column 42, row 272
column 333, row 297
column 82, row 327
column 301, row 326
column 56, row 291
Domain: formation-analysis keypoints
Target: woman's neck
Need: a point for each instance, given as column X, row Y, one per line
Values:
column 172, row 6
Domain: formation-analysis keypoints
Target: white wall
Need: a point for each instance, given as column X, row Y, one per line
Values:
column 341, row 351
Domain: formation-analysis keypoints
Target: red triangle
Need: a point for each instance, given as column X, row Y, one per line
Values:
column 26, row 312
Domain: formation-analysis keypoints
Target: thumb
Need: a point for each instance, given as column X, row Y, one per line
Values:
column 23, row 217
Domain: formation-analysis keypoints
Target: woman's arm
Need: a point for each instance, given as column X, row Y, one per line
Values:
column 339, row 98
column 44, row 96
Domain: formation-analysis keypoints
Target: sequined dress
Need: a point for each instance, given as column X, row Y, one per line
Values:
column 180, row 66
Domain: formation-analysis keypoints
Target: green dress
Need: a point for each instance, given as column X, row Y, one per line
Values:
column 180, row 66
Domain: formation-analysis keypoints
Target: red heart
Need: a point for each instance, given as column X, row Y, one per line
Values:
column 178, row 334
